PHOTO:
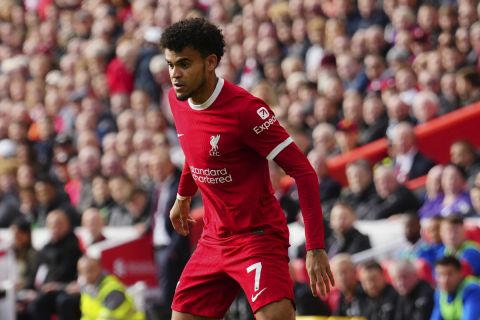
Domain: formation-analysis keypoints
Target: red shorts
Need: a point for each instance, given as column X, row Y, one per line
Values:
column 258, row 264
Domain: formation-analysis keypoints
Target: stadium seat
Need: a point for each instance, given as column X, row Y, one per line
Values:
column 299, row 272
column 424, row 270
column 472, row 232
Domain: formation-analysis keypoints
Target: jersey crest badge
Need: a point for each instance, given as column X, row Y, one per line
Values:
column 214, row 143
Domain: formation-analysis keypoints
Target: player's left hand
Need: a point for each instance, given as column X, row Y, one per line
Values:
column 319, row 272
column 179, row 215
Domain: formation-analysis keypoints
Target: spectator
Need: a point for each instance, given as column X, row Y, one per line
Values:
column 49, row 199
column 347, row 135
column 139, row 208
column 324, row 139
column 314, row 55
column 120, row 71
column 56, row 268
column 102, row 199
column 349, row 70
column 351, row 293
column 433, row 238
column 452, row 233
column 398, row 111
column 433, row 184
column 108, row 299
column 94, row 223
column 345, row 238
column 468, row 86
column 360, row 193
column 425, row 106
column 408, row 161
column 285, row 191
column 381, row 298
column 329, row 187
column 121, row 189
column 392, row 197
column 375, row 119
column 449, row 98
column 144, row 78
column 415, row 296
column 463, row 154
column 453, row 200
column 419, row 248
column 26, row 258
column 370, row 14
column 171, row 250
column 475, row 197
column 455, row 293
column 9, row 208
column 89, row 165
column 307, row 304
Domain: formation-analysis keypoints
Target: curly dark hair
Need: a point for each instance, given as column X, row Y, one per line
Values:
column 197, row 33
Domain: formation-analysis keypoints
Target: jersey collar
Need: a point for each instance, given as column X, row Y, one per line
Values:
column 210, row 100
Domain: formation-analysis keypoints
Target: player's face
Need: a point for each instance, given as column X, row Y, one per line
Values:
column 187, row 70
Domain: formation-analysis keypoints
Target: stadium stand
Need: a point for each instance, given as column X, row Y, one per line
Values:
column 83, row 108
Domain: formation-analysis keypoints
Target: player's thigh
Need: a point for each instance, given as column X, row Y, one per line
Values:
column 186, row 316
column 261, row 269
column 204, row 289
column 279, row 310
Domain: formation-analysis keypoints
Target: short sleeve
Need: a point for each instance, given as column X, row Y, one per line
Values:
column 260, row 129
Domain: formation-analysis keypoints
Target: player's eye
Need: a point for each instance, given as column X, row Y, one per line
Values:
column 184, row 64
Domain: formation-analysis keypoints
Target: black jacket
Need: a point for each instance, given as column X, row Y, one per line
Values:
column 350, row 308
column 420, row 166
column 402, row 200
column 375, row 131
column 417, row 305
column 382, row 307
column 362, row 202
column 350, row 242
column 60, row 260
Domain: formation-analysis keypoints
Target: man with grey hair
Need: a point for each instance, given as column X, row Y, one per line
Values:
column 415, row 301
column 393, row 198
column 408, row 161
column 360, row 193
column 425, row 106
column 351, row 293
column 324, row 139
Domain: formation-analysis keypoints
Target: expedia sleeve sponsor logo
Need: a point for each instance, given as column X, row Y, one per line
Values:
column 211, row 176
column 264, row 126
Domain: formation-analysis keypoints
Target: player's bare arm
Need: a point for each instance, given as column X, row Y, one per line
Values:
column 179, row 215
column 319, row 272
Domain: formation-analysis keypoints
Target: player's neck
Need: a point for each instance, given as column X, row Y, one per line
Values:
column 206, row 91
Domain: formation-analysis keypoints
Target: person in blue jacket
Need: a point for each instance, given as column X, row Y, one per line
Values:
column 457, row 297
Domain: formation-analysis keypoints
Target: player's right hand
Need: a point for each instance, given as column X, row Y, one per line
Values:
column 179, row 215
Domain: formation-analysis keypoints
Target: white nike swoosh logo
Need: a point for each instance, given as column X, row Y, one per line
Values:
column 180, row 134
column 254, row 297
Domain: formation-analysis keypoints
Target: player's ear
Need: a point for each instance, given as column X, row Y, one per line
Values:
column 211, row 62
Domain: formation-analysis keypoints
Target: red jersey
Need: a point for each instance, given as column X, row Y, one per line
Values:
column 227, row 141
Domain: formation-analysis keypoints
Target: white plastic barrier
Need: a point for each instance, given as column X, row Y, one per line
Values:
column 7, row 283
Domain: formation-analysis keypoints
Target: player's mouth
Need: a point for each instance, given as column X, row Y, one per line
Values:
column 178, row 86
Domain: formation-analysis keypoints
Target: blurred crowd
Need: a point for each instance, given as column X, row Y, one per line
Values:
column 85, row 123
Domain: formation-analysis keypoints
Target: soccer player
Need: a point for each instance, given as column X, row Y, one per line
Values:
column 227, row 136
